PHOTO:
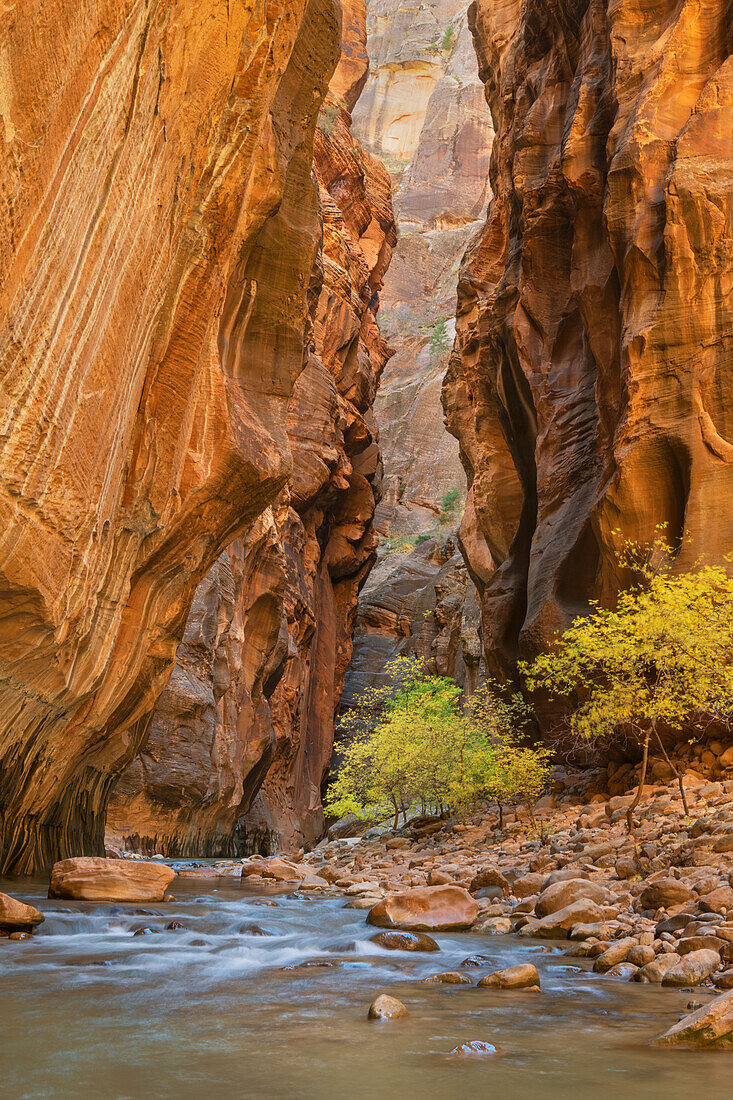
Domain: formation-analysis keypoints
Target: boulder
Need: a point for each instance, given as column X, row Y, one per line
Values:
column 405, row 941
column 15, row 916
column 558, row 925
column 386, row 1008
column 693, row 969
column 709, row 1026
column 528, row 885
column 665, row 892
column 654, row 972
column 624, row 971
column 641, row 955
column 426, row 908
column 563, row 875
column 563, row 893
column 493, row 926
column 524, row 976
column 719, row 900
column 89, row 878
column 489, row 876
column 616, row 953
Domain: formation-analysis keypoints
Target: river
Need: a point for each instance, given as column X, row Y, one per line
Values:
column 211, row 1010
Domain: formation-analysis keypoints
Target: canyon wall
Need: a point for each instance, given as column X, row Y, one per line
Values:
column 424, row 112
column 159, row 224
column 241, row 739
column 591, row 384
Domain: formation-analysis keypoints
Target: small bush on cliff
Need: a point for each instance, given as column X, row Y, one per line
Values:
column 439, row 341
column 663, row 659
column 409, row 744
column 449, row 39
column 449, row 505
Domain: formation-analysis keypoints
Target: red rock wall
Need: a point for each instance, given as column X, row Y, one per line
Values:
column 252, row 701
column 158, row 227
column 591, row 385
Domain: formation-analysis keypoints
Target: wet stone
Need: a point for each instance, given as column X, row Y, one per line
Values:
column 405, row 941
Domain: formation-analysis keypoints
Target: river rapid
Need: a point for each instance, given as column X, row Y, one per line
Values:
column 223, row 1008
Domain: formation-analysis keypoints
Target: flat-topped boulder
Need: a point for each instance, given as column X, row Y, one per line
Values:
column 91, row 878
column 523, row 976
column 426, row 909
column 16, row 916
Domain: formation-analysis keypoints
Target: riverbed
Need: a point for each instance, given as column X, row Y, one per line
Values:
column 223, row 1008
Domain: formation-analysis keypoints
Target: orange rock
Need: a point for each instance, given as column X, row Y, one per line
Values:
column 427, row 908
column 15, row 916
column 158, row 232
column 242, row 735
column 88, row 878
column 591, row 401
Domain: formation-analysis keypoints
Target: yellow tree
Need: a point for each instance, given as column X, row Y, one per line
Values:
column 662, row 659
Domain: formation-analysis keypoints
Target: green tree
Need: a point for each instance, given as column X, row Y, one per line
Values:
column 409, row 743
column 662, row 659
column 449, row 504
column 439, row 341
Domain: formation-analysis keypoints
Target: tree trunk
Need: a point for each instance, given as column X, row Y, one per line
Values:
column 501, row 815
column 642, row 778
column 674, row 769
column 396, row 813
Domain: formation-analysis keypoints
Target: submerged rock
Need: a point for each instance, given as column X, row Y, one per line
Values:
column 476, row 1047
column 447, row 977
column 89, row 878
column 693, row 968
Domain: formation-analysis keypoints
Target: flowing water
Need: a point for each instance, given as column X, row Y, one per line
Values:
column 218, row 1009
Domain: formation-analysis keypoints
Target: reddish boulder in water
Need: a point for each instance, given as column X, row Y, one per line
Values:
column 427, row 908
column 95, row 879
column 16, row 916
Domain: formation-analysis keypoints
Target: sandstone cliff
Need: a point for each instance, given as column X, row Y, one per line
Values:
column 158, row 229
column 591, row 385
column 250, row 707
column 424, row 112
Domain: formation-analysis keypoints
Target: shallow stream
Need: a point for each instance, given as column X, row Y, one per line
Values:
column 88, row 1009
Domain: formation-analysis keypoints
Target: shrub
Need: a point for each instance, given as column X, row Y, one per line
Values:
column 439, row 341
column 449, row 39
column 662, row 659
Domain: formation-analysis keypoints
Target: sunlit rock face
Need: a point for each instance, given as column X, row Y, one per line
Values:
column 158, row 228
column 591, row 385
column 424, row 111
column 250, row 707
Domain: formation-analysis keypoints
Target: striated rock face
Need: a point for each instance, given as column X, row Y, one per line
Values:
column 423, row 604
column 158, row 229
column 591, row 385
column 250, row 707
column 424, row 111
